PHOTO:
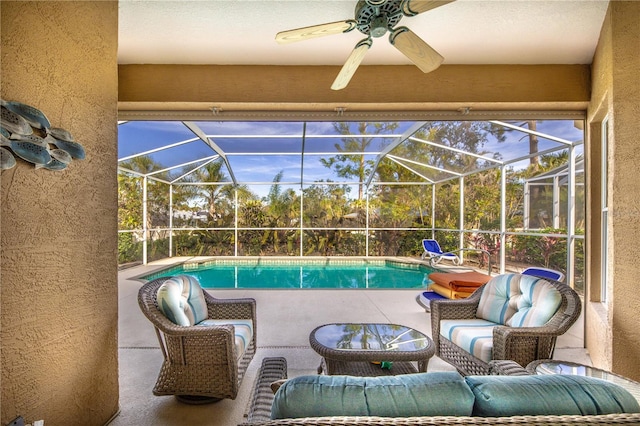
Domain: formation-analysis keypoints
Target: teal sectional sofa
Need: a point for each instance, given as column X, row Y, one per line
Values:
column 443, row 398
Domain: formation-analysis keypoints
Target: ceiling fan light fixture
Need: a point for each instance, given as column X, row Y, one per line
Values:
column 379, row 26
column 377, row 17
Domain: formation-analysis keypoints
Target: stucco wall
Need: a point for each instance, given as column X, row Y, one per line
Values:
column 625, row 202
column 613, row 328
column 598, row 334
column 59, row 229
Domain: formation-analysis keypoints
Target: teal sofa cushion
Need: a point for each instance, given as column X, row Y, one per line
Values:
column 422, row 394
column 497, row 396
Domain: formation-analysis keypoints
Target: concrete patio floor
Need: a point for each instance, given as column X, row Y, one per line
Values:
column 285, row 319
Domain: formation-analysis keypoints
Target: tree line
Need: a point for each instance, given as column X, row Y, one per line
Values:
column 329, row 218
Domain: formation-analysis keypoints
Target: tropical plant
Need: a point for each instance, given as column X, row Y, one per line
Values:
column 131, row 181
column 282, row 210
column 352, row 163
column 251, row 214
column 215, row 193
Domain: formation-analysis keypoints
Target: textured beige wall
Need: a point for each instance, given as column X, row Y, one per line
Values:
column 625, row 200
column 58, row 229
column 598, row 336
column 614, row 329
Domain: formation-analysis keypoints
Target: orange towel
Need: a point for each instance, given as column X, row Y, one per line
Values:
column 449, row 293
column 466, row 282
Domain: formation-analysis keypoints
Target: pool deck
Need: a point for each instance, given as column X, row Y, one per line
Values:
column 285, row 319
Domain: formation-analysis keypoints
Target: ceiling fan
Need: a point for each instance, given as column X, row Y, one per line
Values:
column 374, row 18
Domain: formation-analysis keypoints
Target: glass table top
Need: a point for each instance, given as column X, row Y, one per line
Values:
column 375, row 337
column 562, row 367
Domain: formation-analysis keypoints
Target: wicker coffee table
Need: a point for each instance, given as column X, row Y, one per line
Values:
column 371, row 349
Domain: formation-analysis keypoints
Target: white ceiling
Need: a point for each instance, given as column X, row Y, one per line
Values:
column 242, row 32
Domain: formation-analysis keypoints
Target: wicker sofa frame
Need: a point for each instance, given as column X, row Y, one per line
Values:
column 520, row 344
column 200, row 363
column 275, row 368
column 609, row 419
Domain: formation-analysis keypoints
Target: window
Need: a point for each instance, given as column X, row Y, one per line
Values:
column 605, row 208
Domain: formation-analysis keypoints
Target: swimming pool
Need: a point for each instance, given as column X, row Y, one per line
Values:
column 304, row 274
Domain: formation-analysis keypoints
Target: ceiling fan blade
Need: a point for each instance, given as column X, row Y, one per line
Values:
column 353, row 62
column 416, row 49
column 413, row 7
column 306, row 33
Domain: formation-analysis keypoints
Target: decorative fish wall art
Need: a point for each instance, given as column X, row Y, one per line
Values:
column 26, row 133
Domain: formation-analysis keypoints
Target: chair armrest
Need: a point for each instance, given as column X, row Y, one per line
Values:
column 197, row 331
column 506, row 367
column 230, row 308
column 217, row 342
column 523, row 344
column 506, row 333
column 454, row 309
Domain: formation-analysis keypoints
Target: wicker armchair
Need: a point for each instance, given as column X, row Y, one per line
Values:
column 200, row 363
column 520, row 344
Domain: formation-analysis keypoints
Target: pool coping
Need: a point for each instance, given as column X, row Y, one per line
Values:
column 408, row 262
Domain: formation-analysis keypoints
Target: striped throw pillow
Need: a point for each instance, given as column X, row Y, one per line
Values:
column 494, row 303
column 518, row 300
column 181, row 300
column 536, row 304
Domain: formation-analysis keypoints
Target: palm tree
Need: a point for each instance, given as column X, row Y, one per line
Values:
column 216, row 193
column 216, row 197
column 130, row 192
column 556, row 159
column 282, row 207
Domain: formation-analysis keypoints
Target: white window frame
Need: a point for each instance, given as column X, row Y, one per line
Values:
column 604, row 190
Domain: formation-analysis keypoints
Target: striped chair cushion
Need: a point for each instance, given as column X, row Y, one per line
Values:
column 472, row 335
column 181, row 300
column 518, row 301
column 243, row 331
column 537, row 303
column 494, row 303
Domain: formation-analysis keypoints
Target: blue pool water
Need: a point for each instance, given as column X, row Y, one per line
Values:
column 301, row 275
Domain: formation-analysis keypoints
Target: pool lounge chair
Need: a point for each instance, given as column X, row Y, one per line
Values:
column 546, row 273
column 434, row 253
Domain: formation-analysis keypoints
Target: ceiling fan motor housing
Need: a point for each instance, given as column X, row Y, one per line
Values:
column 375, row 17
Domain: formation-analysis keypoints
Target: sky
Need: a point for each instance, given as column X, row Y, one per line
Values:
column 276, row 146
